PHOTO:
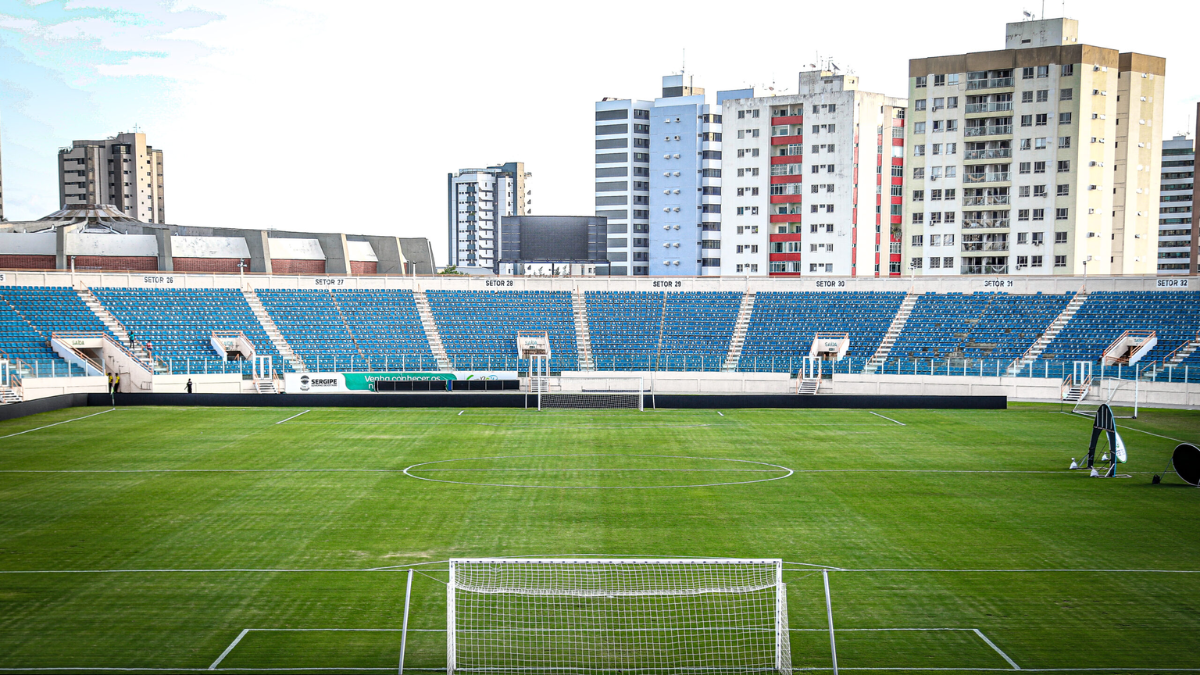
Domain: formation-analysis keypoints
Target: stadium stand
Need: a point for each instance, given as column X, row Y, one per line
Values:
column 479, row 328
column 783, row 326
column 386, row 328
column 178, row 324
column 28, row 317
column 313, row 326
column 993, row 326
column 1173, row 316
column 661, row 331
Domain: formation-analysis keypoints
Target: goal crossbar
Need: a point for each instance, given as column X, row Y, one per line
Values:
column 617, row 615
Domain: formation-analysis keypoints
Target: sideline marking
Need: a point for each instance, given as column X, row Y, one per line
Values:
column 74, row 419
column 1152, row 434
column 829, row 609
column 720, row 413
column 228, row 649
column 292, row 417
column 998, row 651
column 887, row 418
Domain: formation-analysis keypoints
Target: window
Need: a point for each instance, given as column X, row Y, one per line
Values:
column 1036, row 261
column 1064, row 118
column 918, row 218
column 1026, row 143
column 938, row 104
column 915, row 263
column 1022, row 237
column 1064, row 190
column 1039, row 167
column 1022, row 261
column 1064, row 141
column 918, row 127
column 948, row 240
column 1027, row 73
column 918, row 173
column 1060, row 214
column 934, row 219
column 920, row 105
column 918, row 195
column 1027, row 97
column 1043, row 71
column 938, row 126
column 741, row 116
column 939, row 80
column 1040, row 143
column 1023, row 214
column 935, row 172
column 952, row 80
column 1066, row 94
column 935, row 149
column 1039, row 190
column 1027, row 120
column 1023, row 191
column 1064, row 166
column 1023, row 167
column 1060, row 261
column 919, row 150
column 1041, row 120
column 920, row 84
column 1060, row 237
column 951, row 125
column 1068, row 70
column 951, row 171
column 1039, row 214
column 1043, row 95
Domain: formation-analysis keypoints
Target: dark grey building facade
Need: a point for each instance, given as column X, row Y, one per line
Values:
column 553, row 245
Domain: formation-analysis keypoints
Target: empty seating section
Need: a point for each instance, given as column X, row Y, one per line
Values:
column 177, row 323
column 1173, row 316
column 479, row 328
column 624, row 328
column 783, row 325
column 312, row 325
column 28, row 316
column 387, row 328
column 695, row 329
column 979, row 326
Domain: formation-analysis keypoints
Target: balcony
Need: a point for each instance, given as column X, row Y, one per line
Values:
column 1002, row 130
column 993, row 106
column 984, row 223
column 993, row 83
column 985, row 246
column 973, row 178
column 984, row 269
column 990, row 200
column 787, row 119
column 993, row 153
column 787, row 140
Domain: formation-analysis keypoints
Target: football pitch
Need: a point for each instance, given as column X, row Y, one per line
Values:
column 280, row 539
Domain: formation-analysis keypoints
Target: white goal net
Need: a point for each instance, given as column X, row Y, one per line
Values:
column 593, row 392
column 617, row 616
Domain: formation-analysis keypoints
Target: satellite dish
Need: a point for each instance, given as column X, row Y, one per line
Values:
column 1186, row 461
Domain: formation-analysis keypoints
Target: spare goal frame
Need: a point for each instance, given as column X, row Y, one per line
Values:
column 626, row 615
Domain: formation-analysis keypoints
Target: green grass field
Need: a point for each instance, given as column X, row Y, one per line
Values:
column 151, row 538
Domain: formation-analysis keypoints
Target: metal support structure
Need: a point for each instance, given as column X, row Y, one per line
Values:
column 404, row 628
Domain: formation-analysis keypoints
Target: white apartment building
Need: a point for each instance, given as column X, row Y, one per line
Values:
column 477, row 200
column 122, row 170
column 1040, row 158
column 1176, row 216
column 813, row 182
column 623, row 182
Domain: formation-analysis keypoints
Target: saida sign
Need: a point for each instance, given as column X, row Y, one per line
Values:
column 364, row 383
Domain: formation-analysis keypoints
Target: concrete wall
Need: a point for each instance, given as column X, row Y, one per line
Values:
column 682, row 383
column 203, row 384
column 42, row 387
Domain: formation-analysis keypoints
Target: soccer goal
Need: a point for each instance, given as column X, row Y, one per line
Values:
column 595, row 392
column 617, row 616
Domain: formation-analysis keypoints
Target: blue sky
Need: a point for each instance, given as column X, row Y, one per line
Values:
column 319, row 115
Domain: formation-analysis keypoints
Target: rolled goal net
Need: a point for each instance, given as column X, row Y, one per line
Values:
column 617, row 616
column 594, row 392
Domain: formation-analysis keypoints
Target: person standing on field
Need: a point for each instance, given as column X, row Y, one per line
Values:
column 189, row 385
column 110, row 383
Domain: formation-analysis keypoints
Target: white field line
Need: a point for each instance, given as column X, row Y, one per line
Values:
column 998, row 650
column 292, row 417
column 228, row 649
column 74, row 419
column 443, row 669
column 829, row 610
column 392, row 568
column 887, row 418
column 1151, row 434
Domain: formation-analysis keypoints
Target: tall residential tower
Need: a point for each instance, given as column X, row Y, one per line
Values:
column 122, row 170
column 1176, row 217
column 1042, row 158
column 477, row 200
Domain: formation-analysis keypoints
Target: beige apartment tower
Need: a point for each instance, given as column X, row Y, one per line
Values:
column 122, row 170
column 1042, row 158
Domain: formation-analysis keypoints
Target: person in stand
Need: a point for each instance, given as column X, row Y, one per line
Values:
column 110, row 383
column 117, row 383
column 189, row 385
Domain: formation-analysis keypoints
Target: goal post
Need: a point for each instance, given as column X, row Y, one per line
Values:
column 596, row 391
column 545, row 615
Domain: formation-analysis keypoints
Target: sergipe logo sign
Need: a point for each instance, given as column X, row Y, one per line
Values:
column 304, row 383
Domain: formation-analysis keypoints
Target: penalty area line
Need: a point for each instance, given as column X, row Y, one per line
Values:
column 74, row 419
column 998, row 650
column 886, row 418
column 228, row 649
column 292, row 417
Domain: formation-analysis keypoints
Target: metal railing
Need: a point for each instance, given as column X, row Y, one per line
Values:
column 990, row 200
column 985, row 246
column 971, row 178
column 984, row 223
column 993, row 106
column 984, row 269
column 995, row 130
column 991, row 153
column 992, row 83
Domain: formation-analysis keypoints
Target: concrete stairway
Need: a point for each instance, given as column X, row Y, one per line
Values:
column 8, row 395
column 893, row 332
column 745, row 311
column 272, row 331
column 583, row 336
column 809, row 387
column 113, row 325
column 1035, row 350
column 431, row 330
